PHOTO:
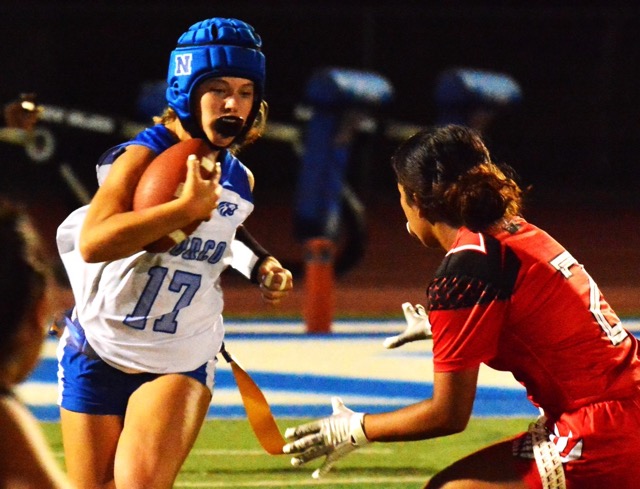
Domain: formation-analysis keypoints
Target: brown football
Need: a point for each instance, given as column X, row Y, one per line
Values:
column 162, row 181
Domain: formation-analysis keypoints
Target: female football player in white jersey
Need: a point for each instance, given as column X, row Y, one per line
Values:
column 137, row 358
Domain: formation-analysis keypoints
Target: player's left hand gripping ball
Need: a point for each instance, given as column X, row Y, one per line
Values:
column 335, row 436
column 162, row 181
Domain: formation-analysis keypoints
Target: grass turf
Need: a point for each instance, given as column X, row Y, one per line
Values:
column 227, row 455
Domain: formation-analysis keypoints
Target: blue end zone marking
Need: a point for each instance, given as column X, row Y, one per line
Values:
column 488, row 404
column 330, row 385
column 490, row 401
column 46, row 413
column 45, row 371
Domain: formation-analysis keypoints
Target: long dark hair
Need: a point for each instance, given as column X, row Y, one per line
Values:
column 447, row 171
column 22, row 271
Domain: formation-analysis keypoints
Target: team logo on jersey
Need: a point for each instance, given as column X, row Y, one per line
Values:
column 183, row 64
column 227, row 209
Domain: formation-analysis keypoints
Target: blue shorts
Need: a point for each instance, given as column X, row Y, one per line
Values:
column 87, row 384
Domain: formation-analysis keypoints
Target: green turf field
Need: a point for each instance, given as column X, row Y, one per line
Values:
column 227, row 455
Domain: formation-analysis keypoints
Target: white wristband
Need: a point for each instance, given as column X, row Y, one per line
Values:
column 356, row 430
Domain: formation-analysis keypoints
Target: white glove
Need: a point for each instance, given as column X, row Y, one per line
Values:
column 418, row 327
column 335, row 436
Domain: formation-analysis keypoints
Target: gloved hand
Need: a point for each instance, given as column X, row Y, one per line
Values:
column 418, row 327
column 335, row 436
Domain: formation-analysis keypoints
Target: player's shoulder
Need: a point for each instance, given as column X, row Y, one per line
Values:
column 69, row 230
column 237, row 177
column 75, row 218
column 471, row 254
column 480, row 256
column 233, row 163
column 157, row 138
column 153, row 140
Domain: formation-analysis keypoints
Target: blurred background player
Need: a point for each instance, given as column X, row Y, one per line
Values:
column 25, row 458
column 138, row 354
column 509, row 296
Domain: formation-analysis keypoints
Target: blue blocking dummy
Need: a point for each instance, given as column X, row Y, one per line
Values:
column 459, row 92
column 339, row 99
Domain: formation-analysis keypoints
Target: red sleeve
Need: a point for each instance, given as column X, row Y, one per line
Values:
column 468, row 300
column 465, row 338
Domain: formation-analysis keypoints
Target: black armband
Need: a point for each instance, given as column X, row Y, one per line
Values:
column 248, row 254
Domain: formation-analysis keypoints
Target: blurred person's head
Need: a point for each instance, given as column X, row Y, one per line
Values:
column 23, row 295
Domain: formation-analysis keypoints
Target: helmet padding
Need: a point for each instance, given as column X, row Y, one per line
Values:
column 214, row 48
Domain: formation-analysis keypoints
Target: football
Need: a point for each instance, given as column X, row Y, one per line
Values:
column 162, row 181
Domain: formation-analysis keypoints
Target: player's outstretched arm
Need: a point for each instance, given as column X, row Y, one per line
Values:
column 418, row 326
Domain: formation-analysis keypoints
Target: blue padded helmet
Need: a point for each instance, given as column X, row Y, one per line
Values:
column 214, row 48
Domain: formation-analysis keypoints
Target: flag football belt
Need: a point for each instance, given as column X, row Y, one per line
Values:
column 75, row 335
column 547, row 456
column 257, row 408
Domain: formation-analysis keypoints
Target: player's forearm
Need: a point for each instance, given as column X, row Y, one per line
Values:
column 446, row 413
column 124, row 234
column 248, row 254
column 419, row 421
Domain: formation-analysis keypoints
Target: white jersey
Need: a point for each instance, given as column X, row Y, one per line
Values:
column 159, row 312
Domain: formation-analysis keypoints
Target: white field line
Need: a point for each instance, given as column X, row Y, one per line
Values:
column 253, row 452
column 331, row 480
column 207, row 452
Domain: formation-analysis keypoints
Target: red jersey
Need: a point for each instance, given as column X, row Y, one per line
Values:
column 518, row 301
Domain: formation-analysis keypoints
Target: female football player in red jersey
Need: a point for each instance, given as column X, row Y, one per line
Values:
column 509, row 296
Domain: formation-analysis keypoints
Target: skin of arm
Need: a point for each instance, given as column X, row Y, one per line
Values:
column 112, row 230
column 449, row 410
column 25, row 458
column 446, row 413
